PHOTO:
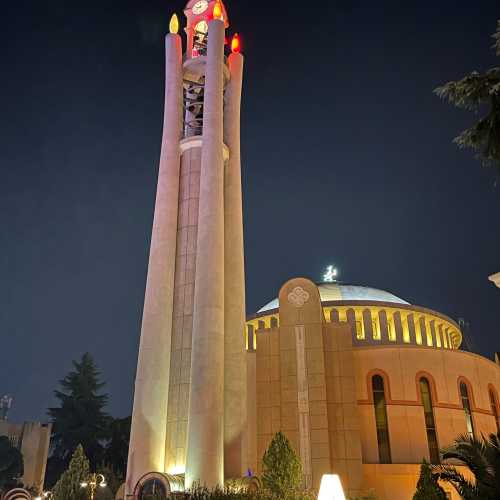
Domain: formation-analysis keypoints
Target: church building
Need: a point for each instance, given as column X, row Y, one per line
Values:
column 364, row 384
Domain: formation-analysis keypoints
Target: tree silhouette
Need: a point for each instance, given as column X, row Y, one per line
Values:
column 80, row 418
column 11, row 463
column 427, row 486
column 475, row 92
column 482, row 458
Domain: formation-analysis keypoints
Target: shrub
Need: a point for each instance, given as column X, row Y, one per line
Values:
column 282, row 470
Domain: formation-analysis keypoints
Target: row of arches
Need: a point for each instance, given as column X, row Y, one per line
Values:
column 397, row 325
column 380, row 325
column 379, row 390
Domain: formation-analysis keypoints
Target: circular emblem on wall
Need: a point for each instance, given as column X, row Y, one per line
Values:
column 298, row 296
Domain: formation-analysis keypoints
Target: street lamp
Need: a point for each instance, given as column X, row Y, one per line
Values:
column 92, row 483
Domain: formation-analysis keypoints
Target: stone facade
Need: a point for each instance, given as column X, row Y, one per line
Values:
column 32, row 439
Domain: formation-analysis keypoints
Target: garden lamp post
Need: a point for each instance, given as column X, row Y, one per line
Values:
column 92, row 483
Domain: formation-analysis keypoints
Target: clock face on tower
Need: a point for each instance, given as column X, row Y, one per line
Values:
column 200, row 7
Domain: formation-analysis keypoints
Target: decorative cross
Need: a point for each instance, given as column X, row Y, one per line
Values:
column 330, row 274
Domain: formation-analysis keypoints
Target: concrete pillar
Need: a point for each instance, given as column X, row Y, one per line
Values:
column 149, row 419
column 235, row 379
column 205, row 440
column 251, row 430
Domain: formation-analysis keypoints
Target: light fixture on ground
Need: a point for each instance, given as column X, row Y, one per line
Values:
column 92, row 483
column 331, row 488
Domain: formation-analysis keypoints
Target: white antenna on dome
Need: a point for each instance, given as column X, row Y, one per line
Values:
column 331, row 273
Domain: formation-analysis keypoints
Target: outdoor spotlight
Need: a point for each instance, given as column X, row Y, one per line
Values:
column 331, row 488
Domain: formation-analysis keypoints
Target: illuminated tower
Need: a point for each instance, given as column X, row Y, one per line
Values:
column 190, row 393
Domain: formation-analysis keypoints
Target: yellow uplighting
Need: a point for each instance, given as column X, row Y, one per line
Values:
column 174, row 24
column 331, row 488
column 177, row 470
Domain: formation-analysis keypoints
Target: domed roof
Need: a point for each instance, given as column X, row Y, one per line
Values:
column 341, row 292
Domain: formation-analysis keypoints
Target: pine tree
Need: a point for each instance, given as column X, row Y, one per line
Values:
column 427, row 486
column 11, row 463
column 80, row 419
column 474, row 93
column 68, row 487
column 282, row 470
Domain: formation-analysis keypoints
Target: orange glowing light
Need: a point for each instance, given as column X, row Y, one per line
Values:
column 236, row 44
column 217, row 10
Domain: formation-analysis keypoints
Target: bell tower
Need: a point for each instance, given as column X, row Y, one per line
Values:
column 189, row 415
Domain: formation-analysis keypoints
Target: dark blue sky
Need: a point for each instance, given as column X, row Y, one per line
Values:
column 347, row 159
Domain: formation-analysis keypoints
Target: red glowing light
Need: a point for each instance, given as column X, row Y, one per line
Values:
column 217, row 10
column 236, row 44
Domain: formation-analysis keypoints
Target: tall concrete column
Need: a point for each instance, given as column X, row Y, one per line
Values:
column 235, row 381
column 149, row 419
column 205, row 448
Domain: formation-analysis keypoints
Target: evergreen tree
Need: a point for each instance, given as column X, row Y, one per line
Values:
column 80, row 419
column 475, row 92
column 69, row 485
column 427, row 486
column 11, row 464
column 282, row 470
column 116, row 453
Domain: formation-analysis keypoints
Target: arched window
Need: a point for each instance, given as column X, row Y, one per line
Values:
column 380, row 406
column 153, row 489
column 430, row 425
column 464, row 394
column 494, row 409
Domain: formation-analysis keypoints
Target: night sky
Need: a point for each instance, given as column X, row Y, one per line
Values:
column 347, row 159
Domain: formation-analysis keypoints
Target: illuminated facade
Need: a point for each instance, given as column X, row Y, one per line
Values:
column 364, row 384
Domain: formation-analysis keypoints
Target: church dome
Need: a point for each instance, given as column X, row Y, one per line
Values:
column 342, row 292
